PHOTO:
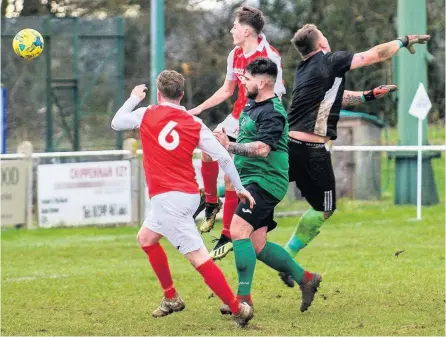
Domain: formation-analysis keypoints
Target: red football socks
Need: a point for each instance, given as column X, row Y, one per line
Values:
column 209, row 172
column 160, row 265
column 229, row 207
column 214, row 278
column 307, row 276
column 246, row 299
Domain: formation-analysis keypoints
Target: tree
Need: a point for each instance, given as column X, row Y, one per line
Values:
column 356, row 26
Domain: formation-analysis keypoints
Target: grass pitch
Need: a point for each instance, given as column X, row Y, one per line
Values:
column 96, row 281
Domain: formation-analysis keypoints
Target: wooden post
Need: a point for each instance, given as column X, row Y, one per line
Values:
column 26, row 148
column 131, row 144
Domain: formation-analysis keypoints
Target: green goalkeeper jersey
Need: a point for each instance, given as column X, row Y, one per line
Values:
column 267, row 122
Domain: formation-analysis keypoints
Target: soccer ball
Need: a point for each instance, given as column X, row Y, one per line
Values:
column 28, row 43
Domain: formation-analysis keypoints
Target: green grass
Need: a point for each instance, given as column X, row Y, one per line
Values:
column 435, row 135
column 96, row 281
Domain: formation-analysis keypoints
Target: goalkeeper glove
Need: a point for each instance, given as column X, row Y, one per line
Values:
column 378, row 92
column 409, row 40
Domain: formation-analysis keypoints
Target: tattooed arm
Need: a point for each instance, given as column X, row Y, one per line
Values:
column 254, row 149
column 353, row 98
column 376, row 54
column 385, row 51
column 269, row 132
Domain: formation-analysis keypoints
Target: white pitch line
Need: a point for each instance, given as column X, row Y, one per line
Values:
column 32, row 278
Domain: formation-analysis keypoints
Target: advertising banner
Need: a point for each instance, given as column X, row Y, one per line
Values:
column 84, row 193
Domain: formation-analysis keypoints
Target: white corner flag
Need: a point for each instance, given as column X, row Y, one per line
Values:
column 421, row 103
column 419, row 108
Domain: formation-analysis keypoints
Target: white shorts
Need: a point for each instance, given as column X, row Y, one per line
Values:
column 171, row 216
column 231, row 126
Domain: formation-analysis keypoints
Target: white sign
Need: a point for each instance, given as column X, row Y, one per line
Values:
column 421, row 103
column 2, row 120
column 14, row 182
column 84, row 193
column 197, row 166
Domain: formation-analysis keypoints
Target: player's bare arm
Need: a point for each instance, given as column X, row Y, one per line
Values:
column 253, row 149
column 353, row 98
column 222, row 94
column 386, row 50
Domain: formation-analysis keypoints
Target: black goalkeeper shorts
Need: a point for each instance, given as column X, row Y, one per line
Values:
column 312, row 170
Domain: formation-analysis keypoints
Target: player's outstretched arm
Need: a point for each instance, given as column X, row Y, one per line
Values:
column 126, row 118
column 385, row 51
column 353, row 98
column 222, row 94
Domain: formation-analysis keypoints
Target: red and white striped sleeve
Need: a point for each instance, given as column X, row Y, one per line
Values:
column 273, row 54
column 230, row 75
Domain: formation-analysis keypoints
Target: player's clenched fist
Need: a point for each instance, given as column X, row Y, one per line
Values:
column 139, row 91
column 409, row 40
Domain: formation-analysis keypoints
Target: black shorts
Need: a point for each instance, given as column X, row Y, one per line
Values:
column 262, row 215
column 312, row 170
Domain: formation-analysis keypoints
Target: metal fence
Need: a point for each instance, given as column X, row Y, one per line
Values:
column 77, row 82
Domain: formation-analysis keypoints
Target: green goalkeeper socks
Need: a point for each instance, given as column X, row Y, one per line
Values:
column 307, row 229
column 245, row 262
column 277, row 257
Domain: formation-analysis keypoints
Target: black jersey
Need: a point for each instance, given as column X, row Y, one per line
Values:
column 317, row 94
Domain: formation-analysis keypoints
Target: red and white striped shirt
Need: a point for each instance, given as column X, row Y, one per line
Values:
column 237, row 63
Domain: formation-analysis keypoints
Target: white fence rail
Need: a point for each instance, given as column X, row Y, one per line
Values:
column 347, row 148
column 388, row 148
column 67, row 154
column 138, row 198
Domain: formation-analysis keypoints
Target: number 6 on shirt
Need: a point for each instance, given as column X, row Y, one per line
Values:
column 166, row 131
